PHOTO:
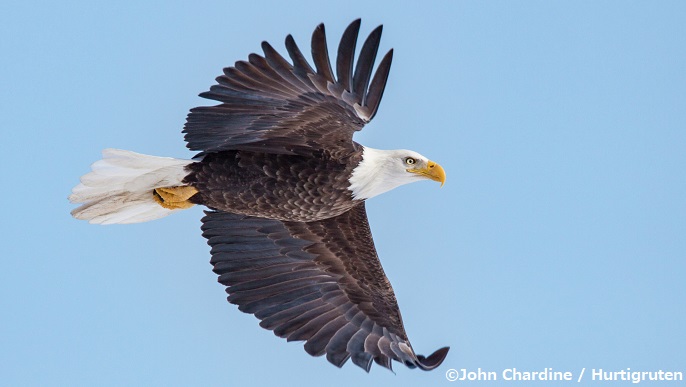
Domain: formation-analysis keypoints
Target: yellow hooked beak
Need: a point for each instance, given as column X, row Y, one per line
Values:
column 432, row 171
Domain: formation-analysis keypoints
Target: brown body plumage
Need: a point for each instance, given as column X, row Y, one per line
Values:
column 275, row 186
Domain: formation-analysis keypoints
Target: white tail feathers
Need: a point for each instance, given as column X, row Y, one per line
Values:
column 120, row 187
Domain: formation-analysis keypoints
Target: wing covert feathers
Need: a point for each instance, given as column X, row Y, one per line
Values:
column 318, row 282
column 271, row 105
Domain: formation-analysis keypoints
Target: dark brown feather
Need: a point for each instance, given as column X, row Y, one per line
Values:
column 346, row 55
column 320, row 54
column 378, row 85
column 363, row 70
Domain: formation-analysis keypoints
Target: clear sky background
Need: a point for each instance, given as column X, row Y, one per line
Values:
column 558, row 240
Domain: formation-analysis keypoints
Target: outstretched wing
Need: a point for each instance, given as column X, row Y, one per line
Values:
column 271, row 105
column 320, row 282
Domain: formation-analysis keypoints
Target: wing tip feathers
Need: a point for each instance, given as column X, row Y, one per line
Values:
column 434, row 360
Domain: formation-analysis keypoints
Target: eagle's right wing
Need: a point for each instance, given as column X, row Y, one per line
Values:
column 320, row 282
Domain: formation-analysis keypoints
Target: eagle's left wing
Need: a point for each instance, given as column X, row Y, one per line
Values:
column 270, row 105
column 320, row 282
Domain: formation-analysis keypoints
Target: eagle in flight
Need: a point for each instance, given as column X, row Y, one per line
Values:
column 286, row 186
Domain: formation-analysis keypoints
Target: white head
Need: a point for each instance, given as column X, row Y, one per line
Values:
column 382, row 170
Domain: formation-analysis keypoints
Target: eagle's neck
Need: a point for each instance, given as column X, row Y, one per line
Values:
column 375, row 174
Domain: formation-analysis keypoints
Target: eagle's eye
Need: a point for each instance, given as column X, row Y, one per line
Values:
column 410, row 161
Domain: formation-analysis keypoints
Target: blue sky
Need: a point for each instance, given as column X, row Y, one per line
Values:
column 557, row 241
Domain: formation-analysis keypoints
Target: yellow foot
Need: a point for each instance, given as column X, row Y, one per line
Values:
column 174, row 198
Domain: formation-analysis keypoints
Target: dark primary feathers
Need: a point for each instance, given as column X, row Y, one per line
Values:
column 271, row 105
column 321, row 282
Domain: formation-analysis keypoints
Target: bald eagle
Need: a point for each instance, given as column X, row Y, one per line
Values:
column 286, row 187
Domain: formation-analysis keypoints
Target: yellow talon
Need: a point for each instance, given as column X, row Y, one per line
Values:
column 174, row 198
